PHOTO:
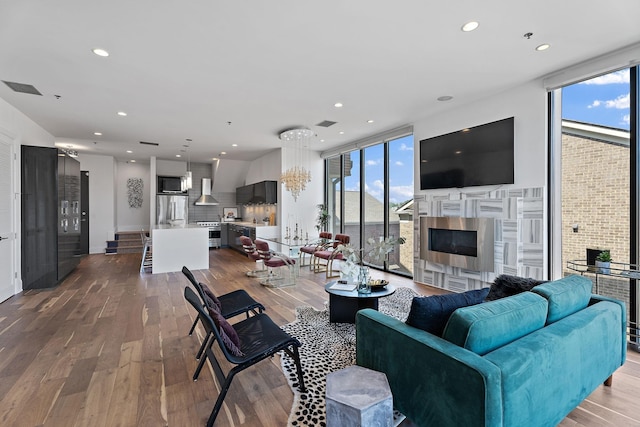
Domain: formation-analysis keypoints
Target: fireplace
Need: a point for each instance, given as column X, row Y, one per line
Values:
column 459, row 242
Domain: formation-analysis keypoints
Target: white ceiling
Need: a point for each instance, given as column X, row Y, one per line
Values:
column 186, row 68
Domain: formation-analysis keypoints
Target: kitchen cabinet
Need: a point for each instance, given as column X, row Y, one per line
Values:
column 224, row 235
column 264, row 192
column 39, row 200
column 236, row 231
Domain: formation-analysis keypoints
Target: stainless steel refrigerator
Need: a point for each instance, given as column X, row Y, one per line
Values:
column 172, row 210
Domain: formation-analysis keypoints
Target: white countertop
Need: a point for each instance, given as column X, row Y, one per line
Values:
column 249, row 224
column 176, row 227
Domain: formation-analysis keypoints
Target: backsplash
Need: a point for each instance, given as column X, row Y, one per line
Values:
column 206, row 213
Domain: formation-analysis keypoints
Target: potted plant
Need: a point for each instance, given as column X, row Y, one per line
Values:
column 322, row 220
column 603, row 262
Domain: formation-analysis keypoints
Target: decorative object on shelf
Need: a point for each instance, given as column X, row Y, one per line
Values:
column 355, row 258
column 322, row 220
column 134, row 192
column 230, row 214
column 295, row 175
column 603, row 262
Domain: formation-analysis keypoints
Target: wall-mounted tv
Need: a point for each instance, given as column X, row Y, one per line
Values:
column 481, row 155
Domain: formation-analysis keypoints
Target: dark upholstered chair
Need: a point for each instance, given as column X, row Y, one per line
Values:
column 329, row 255
column 250, row 249
column 259, row 338
column 311, row 248
column 273, row 260
column 231, row 304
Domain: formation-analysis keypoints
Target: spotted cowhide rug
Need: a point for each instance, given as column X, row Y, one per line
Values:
column 327, row 347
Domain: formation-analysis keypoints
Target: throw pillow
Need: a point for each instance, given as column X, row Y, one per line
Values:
column 229, row 336
column 432, row 313
column 212, row 297
column 506, row 286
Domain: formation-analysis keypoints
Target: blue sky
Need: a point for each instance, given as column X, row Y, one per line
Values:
column 602, row 100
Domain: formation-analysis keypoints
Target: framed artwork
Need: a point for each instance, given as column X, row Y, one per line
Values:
column 229, row 214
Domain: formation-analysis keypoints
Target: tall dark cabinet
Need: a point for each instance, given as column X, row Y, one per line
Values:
column 49, row 252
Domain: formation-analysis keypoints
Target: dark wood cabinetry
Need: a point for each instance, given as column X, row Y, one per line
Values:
column 50, row 195
column 264, row 192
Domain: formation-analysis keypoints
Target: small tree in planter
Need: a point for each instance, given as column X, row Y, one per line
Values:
column 603, row 262
column 322, row 220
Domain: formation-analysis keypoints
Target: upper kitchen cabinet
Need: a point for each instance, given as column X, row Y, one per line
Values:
column 264, row 192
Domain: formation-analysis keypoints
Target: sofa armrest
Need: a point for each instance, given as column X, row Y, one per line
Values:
column 597, row 298
column 431, row 379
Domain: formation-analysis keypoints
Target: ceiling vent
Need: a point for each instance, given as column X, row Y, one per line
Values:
column 23, row 88
column 149, row 143
column 326, row 123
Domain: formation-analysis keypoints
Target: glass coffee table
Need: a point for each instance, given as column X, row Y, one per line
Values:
column 344, row 304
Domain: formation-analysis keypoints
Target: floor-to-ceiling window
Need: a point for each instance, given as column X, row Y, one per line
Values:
column 597, row 160
column 371, row 195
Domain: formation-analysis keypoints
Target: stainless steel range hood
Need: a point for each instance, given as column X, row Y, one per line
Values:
column 206, row 199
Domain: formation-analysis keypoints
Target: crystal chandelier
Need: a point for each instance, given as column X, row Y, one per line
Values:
column 295, row 176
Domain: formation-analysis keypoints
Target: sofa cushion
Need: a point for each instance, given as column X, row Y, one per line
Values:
column 506, row 286
column 484, row 327
column 566, row 296
column 431, row 313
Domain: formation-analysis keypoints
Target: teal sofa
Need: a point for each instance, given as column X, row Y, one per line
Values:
column 525, row 360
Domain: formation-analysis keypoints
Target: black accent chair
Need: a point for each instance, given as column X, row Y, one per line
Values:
column 233, row 303
column 259, row 338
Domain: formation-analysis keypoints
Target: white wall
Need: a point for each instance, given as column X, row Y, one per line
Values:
column 102, row 196
column 128, row 218
column 231, row 174
column 526, row 103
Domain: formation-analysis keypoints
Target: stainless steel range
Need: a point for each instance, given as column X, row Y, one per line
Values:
column 214, row 232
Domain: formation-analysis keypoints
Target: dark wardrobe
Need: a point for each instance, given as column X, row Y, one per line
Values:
column 50, row 216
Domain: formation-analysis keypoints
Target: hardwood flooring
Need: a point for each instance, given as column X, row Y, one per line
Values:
column 109, row 347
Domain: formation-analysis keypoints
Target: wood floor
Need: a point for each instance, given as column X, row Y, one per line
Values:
column 109, row 347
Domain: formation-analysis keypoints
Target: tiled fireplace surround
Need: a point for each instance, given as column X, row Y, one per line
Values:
column 518, row 247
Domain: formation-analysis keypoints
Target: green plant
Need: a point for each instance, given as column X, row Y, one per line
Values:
column 322, row 220
column 604, row 256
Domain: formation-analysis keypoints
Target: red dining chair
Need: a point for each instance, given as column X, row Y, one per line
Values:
column 310, row 249
column 273, row 260
column 329, row 255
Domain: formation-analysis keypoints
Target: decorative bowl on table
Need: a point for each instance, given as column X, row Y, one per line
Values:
column 378, row 283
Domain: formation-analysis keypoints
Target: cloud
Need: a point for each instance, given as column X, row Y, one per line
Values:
column 621, row 76
column 373, row 162
column 400, row 193
column 399, row 163
column 405, row 147
column 620, row 103
column 626, row 119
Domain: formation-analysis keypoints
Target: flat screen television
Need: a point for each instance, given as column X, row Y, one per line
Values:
column 481, row 155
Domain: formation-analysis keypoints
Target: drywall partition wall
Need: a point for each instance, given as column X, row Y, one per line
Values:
column 171, row 167
column 129, row 218
column 230, row 175
column 265, row 168
column 519, row 209
column 27, row 131
column 102, row 196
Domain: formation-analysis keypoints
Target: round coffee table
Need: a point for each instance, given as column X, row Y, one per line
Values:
column 343, row 305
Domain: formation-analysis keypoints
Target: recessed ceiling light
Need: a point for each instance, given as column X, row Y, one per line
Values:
column 542, row 47
column 341, row 133
column 322, row 140
column 215, row 158
column 469, row 26
column 122, row 113
column 458, row 151
column 223, row 153
column 369, row 121
column 445, row 98
column 133, row 161
column 338, row 104
column 234, row 145
column 129, row 151
column 97, row 133
column 100, row 52
column 178, row 155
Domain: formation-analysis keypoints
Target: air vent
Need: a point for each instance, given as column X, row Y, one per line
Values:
column 326, row 123
column 149, row 143
column 23, row 88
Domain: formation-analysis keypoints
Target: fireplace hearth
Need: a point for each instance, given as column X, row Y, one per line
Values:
column 458, row 242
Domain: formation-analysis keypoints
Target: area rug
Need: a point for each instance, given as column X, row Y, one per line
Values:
column 327, row 347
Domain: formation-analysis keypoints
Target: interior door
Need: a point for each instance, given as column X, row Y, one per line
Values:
column 84, row 212
column 7, row 234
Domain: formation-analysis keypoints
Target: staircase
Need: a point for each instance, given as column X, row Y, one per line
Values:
column 125, row 242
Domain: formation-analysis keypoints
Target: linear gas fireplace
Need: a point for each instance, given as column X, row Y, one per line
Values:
column 459, row 242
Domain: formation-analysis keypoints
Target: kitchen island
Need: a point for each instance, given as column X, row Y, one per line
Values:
column 178, row 246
